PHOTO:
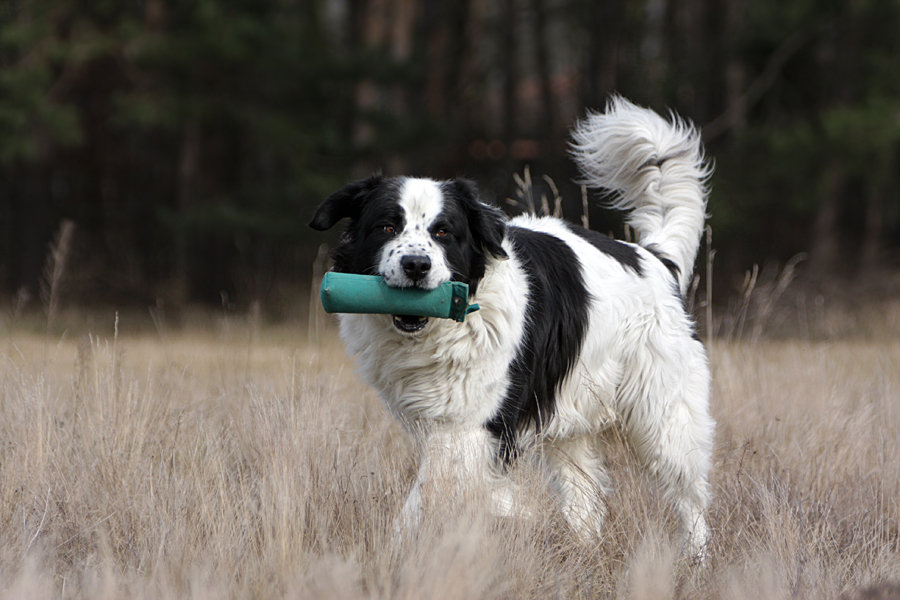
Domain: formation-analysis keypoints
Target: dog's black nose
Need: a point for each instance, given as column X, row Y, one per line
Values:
column 415, row 267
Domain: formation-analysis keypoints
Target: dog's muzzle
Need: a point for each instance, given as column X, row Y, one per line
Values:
column 416, row 267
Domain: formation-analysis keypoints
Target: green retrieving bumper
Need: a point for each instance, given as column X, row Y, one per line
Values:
column 349, row 293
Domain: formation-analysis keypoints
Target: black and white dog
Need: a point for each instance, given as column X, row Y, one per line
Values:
column 576, row 330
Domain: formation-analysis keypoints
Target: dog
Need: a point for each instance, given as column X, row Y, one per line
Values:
column 576, row 330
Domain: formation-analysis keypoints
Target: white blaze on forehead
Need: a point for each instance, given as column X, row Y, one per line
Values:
column 422, row 201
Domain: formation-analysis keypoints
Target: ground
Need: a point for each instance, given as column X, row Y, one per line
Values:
column 248, row 462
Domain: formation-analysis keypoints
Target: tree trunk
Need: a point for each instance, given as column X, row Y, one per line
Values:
column 509, row 86
column 735, row 72
column 457, row 58
column 824, row 246
column 188, row 175
column 547, row 126
column 509, row 66
column 871, row 244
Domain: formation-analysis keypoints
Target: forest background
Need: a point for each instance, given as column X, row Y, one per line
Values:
column 171, row 153
column 168, row 155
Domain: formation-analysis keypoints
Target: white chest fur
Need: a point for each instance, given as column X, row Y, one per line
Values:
column 450, row 373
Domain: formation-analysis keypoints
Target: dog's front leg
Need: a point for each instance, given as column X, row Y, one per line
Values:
column 455, row 465
column 407, row 522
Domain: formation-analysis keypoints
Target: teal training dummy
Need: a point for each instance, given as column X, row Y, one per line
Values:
column 351, row 293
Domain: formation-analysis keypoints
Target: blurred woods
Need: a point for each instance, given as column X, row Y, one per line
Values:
column 189, row 141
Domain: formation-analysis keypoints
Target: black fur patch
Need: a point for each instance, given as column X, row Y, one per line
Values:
column 472, row 232
column 370, row 204
column 556, row 322
column 665, row 260
column 627, row 255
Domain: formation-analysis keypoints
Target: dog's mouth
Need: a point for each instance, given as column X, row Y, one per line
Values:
column 409, row 323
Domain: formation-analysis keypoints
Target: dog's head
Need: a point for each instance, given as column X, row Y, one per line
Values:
column 413, row 232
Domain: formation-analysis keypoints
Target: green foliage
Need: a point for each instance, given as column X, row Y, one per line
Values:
column 32, row 118
column 207, row 126
column 259, row 75
column 186, row 124
column 833, row 108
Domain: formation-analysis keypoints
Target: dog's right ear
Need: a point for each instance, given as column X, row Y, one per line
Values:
column 346, row 202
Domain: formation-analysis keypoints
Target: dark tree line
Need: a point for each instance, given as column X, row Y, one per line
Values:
column 189, row 141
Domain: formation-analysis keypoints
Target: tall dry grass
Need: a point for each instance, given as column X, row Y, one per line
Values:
column 209, row 465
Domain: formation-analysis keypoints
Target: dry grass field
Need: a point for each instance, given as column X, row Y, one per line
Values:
column 242, row 464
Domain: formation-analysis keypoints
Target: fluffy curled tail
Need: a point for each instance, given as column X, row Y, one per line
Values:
column 658, row 171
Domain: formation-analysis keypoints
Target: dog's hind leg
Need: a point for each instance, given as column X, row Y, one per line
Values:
column 667, row 417
column 581, row 481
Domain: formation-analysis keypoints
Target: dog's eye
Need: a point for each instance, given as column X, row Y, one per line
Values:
column 389, row 229
column 441, row 233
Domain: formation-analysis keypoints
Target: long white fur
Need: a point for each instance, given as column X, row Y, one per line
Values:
column 657, row 169
column 639, row 364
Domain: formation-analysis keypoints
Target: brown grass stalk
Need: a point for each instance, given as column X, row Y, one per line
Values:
column 55, row 270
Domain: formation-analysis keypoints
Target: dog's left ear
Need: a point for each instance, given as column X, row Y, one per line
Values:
column 489, row 226
column 346, row 202
column 487, row 223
